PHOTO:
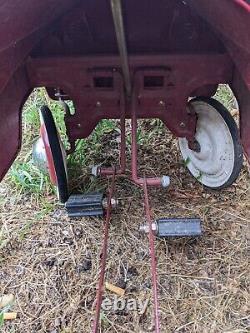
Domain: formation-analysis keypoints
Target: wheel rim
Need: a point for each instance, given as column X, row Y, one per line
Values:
column 214, row 164
column 53, row 171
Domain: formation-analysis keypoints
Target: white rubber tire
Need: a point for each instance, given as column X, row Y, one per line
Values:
column 220, row 159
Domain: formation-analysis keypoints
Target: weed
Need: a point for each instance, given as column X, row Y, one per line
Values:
column 28, row 178
column 225, row 96
column 187, row 161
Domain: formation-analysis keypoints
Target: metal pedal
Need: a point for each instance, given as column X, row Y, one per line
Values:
column 175, row 227
column 80, row 205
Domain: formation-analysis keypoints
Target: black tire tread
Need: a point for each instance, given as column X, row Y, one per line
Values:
column 62, row 182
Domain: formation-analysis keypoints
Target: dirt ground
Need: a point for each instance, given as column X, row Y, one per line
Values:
column 50, row 263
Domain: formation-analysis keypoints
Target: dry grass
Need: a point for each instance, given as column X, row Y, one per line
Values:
column 51, row 263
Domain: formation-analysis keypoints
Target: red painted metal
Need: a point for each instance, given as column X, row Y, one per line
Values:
column 229, row 18
column 193, row 45
column 151, row 236
column 103, row 256
column 77, row 77
column 10, row 121
column 60, row 44
column 241, row 91
column 156, row 181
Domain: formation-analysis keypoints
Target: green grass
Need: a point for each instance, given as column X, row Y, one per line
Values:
column 225, row 96
column 27, row 178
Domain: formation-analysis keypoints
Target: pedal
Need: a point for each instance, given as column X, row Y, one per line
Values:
column 88, row 204
column 175, row 227
column 81, row 205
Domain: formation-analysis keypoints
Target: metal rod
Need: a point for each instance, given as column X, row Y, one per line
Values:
column 103, row 256
column 151, row 237
column 116, row 7
column 123, row 143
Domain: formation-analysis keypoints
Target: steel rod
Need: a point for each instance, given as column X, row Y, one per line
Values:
column 151, row 236
column 116, row 7
column 103, row 257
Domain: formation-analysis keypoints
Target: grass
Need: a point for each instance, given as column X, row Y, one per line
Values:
column 203, row 283
column 225, row 96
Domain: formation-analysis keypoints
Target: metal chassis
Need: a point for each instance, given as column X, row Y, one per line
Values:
column 184, row 76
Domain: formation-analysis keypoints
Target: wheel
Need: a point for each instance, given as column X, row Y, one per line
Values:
column 220, row 157
column 55, row 154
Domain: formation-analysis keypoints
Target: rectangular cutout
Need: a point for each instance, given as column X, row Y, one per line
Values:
column 105, row 82
column 153, row 81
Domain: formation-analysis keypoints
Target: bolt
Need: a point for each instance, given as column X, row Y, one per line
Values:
column 114, row 203
column 165, row 181
column 95, row 170
column 182, row 124
column 98, row 104
column 162, row 103
column 79, row 125
column 145, row 228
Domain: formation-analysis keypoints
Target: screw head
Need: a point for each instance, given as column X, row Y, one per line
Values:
column 95, row 170
column 165, row 181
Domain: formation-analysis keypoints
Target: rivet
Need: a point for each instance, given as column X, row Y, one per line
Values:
column 98, row 104
column 162, row 103
column 182, row 124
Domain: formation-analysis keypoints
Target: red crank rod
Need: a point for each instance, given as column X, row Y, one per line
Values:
column 103, row 256
column 121, row 169
column 151, row 237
